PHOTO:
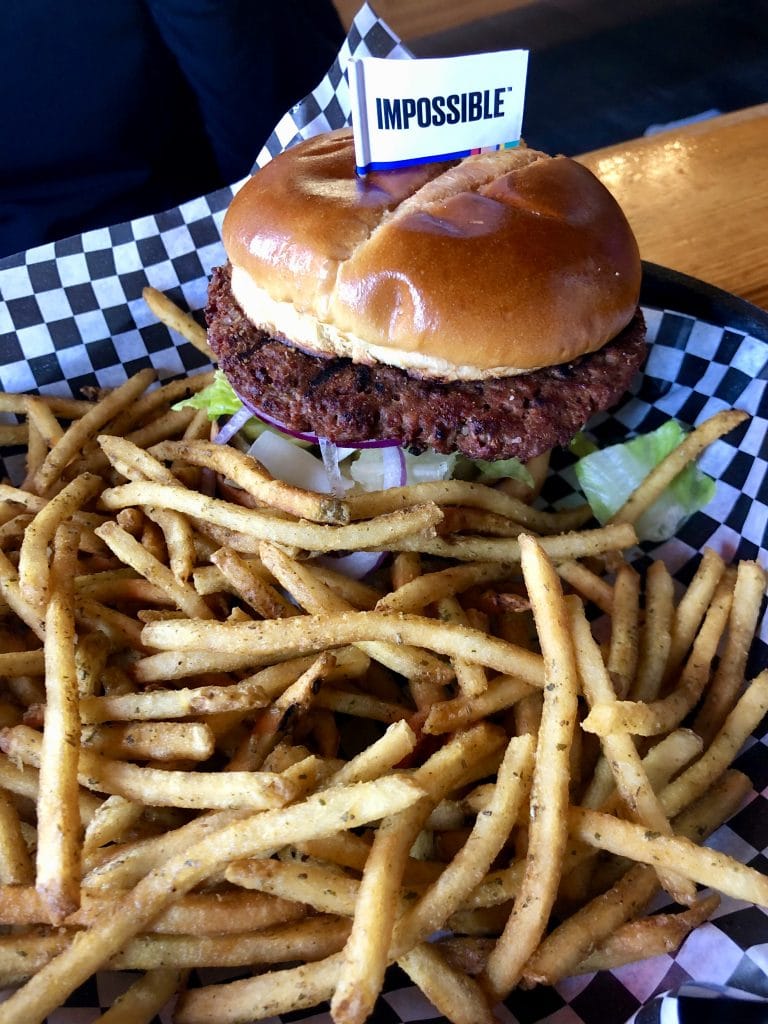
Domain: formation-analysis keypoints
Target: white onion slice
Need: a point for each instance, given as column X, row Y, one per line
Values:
column 429, row 466
column 386, row 468
column 289, row 462
column 378, row 469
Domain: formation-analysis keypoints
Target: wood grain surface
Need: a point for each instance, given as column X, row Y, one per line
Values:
column 697, row 198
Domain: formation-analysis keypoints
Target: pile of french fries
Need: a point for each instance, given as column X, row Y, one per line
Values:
column 217, row 751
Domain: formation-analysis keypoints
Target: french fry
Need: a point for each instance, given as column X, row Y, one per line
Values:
column 372, row 534
column 693, row 607
column 324, row 889
column 25, row 782
column 625, row 622
column 662, row 715
column 58, row 816
column 13, row 434
column 562, row 546
column 503, row 692
column 310, row 939
column 381, row 756
column 133, row 462
column 33, row 561
column 251, row 476
column 148, row 565
column 655, row 635
column 179, row 541
column 11, row 592
column 264, row 995
column 16, row 867
column 406, row 566
column 183, row 323
column 434, row 586
column 85, row 429
column 59, row 405
column 450, row 991
column 265, row 599
column 620, row 752
column 473, row 495
column 145, row 998
column 549, row 794
column 700, row 864
column 342, row 806
column 22, row 663
column 204, row 700
column 313, row 632
column 112, row 819
column 723, row 691
column 361, row 705
column 36, row 450
column 587, row 584
column 141, row 741
column 154, row 405
column 650, row 936
column 160, row 787
column 662, row 475
column 471, row 678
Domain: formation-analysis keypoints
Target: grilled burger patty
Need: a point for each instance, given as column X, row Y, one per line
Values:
column 520, row 416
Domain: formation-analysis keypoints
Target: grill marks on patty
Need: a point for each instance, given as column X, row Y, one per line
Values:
column 519, row 416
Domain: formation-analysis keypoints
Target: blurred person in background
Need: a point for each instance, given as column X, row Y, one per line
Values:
column 115, row 109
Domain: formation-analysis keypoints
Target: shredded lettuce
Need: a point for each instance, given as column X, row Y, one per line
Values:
column 609, row 476
column 581, row 445
column 218, row 399
column 486, row 472
column 430, row 465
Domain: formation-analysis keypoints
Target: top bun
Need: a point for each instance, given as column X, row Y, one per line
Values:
column 493, row 265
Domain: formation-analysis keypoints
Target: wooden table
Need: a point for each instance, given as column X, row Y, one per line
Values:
column 697, row 198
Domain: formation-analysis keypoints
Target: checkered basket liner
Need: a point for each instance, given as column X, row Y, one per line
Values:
column 72, row 315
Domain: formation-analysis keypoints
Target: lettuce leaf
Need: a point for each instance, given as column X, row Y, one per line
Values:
column 609, row 476
column 218, row 399
column 486, row 472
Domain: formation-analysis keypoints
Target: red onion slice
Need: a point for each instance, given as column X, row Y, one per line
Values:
column 356, row 565
column 254, row 410
column 235, row 422
column 394, row 473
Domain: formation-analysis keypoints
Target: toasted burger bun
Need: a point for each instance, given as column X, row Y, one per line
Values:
column 492, row 266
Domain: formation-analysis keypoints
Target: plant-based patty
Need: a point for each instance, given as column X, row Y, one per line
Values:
column 503, row 417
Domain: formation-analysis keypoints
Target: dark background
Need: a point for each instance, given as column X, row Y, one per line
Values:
column 111, row 111
column 601, row 71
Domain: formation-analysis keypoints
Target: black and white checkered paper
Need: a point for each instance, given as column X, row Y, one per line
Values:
column 71, row 314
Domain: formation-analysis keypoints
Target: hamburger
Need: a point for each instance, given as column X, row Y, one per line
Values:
column 485, row 305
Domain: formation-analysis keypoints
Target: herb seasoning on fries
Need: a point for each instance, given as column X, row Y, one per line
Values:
column 482, row 762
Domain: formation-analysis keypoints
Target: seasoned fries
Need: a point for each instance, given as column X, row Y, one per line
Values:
column 218, row 751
